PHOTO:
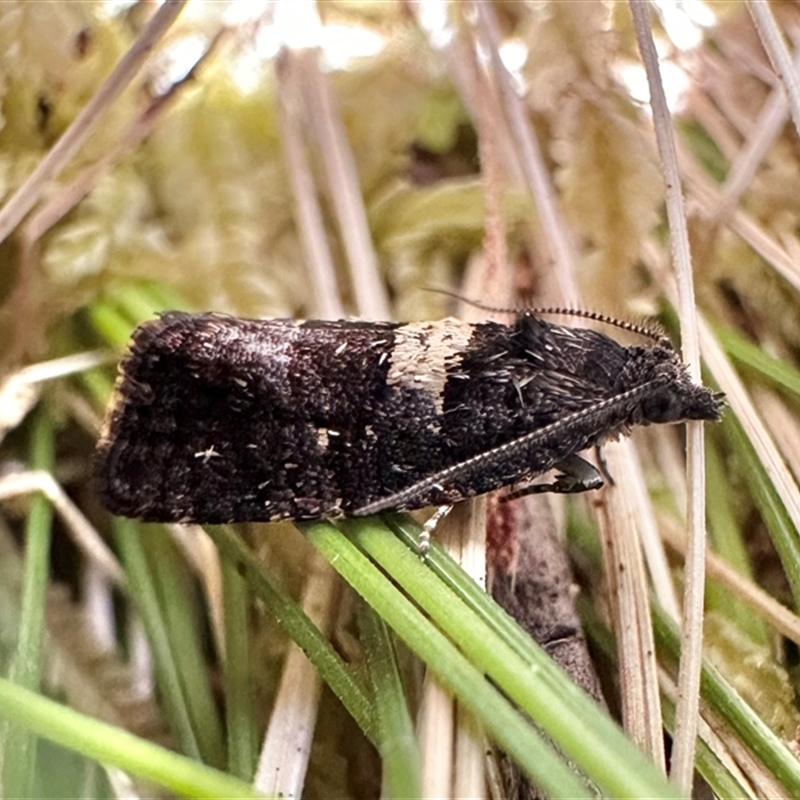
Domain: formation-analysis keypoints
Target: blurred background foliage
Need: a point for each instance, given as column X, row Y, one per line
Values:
column 182, row 197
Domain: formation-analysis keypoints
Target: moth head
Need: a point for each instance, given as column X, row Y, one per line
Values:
column 673, row 396
column 681, row 401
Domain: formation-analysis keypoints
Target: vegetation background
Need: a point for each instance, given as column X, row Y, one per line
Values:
column 322, row 160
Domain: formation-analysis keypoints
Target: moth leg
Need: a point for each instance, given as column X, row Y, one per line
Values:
column 577, row 475
column 603, row 466
column 429, row 527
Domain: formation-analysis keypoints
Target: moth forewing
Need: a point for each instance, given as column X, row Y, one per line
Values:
column 219, row 419
column 546, row 448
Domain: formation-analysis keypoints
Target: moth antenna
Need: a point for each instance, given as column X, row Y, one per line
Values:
column 652, row 331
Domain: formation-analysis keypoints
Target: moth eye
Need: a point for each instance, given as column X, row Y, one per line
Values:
column 664, row 406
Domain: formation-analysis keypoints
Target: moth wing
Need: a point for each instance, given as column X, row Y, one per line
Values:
column 219, row 419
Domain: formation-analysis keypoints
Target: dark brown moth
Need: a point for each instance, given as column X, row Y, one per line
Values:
column 218, row 419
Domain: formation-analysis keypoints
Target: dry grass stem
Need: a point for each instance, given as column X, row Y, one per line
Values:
column 308, row 214
column 670, row 460
column 28, row 194
column 642, row 506
column 740, row 222
column 436, row 732
column 742, row 405
column 628, row 591
column 471, row 747
column 85, row 535
column 746, row 163
column 20, row 390
column 283, row 760
column 763, row 783
column 462, row 533
column 783, row 426
column 778, row 53
column 682, row 769
column 68, row 196
column 715, row 743
column 322, row 117
column 777, row 615
column 555, row 236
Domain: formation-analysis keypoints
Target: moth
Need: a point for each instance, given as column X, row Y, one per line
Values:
column 218, row 419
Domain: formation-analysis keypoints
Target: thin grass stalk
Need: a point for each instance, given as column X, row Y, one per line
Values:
column 26, row 196
column 114, row 746
column 203, row 558
column 775, row 470
column 629, row 597
column 176, row 599
column 300, row 628
column 708, row 197
column 694, row 570
column 631, row 475
column 286, row 749
column 435, row 732
column 462, row 534
column 744, row 168
column 85, row 535
column 19, row 751
column 778, row 53
column 555, row 234
column 725, row 702
column 715, row 762
column 767, row 607
column 398, row 746
column 130, row 545
column 308, row 214
column 323, row 118
column 68, row 196
column 239, row 700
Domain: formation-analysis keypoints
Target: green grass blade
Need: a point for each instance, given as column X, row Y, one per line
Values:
column 397, row 742
column 175, row 590
column 716, row 774
column 130, row 544
column 727, row 704
column 19, row 757
column 344, row 684
column 486, row 653
column 778, row 372
column 240, row 723
column 116, row 747
column 577, row 725
column 727, row 539
column 781, row 531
